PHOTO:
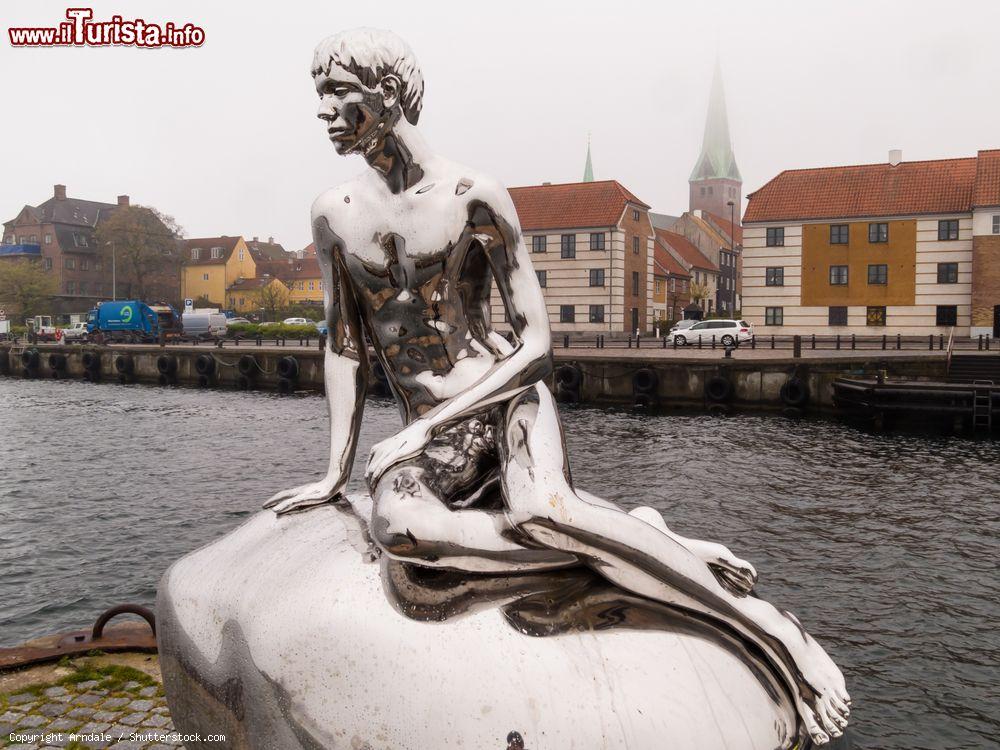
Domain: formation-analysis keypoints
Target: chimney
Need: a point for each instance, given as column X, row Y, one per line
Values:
column 270, row 240
column 59, row 192
column 123, row 201
column 546, row 183
column 255, row 239
column 895, row 157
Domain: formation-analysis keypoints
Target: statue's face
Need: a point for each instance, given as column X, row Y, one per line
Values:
column 355, row 116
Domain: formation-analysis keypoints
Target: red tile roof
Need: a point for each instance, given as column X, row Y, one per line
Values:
column 295, row 268
column 686, row 249
column 578, row 204
column 987, row 188
column 664, row 263
column 722, row 225
column 205, row 244
column 916, row 187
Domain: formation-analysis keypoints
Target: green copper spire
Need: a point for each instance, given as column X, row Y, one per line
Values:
column 588, row 170
column 717, row 159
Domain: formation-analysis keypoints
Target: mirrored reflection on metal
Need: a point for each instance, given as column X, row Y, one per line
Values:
column 478, row 479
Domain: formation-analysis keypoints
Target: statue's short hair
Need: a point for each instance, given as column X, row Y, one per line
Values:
column 371, row 54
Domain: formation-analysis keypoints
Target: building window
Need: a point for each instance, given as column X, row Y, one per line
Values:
column 216, row 252
column 70, row 287
column 710, row 189
column 84, row 264
column 838, row 234
column 538, row 243
column 195, row 253
column 947, row 273
column 948, row 229
column 878, row 232
column 97, row 265
column 204, row 277
column 635, row 245
column 875, row 316
column 774, row 276
column 48, row 264
column 48, row 237
column 321, row 285
column 635, row 283
column 567, row 314
column 947, row 315
column 69, row 263
column 542, row 278
column 80, row 240
column 568, row 246
column 301, row 286
column 838, row 316
column 241, row 254
column 597, row 240
column 672, row 285
column 775, row 236
column 82, row 288
column 597, row 277
column 597, row 313
column 703, row 191
column 878, row 273
column 996, row 224
column 838, row 275
column 774, row 316
column 635, row 214
column 312, row 286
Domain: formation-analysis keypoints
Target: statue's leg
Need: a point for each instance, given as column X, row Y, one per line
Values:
column 641, row 558
column 410, row 521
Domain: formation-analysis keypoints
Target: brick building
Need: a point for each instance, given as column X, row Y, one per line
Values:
column 897, row 247
column 591, row 244
column 59, row 233
column 671, row 288
column 699, row 267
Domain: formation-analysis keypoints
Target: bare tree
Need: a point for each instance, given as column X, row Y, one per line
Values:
column 272, row 296
column 26, row 288
column 142, row 243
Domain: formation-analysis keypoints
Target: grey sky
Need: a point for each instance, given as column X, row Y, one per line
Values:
column 225, row 137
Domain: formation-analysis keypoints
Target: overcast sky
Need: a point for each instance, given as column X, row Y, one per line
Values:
column 225, row 138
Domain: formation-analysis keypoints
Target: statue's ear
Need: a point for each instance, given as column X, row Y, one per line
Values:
column 392, row 87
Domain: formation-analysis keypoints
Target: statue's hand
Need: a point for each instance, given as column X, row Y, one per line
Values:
column 304, row 496
column 404, row 444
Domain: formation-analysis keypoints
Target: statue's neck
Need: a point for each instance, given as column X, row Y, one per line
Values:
column 397, row 157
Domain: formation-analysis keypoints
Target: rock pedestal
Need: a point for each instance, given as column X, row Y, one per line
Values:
column 293, row 632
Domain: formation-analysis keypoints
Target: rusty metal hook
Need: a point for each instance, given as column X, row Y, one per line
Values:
column 134, row 609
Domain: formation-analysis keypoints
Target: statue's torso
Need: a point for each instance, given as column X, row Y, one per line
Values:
column 422, row 284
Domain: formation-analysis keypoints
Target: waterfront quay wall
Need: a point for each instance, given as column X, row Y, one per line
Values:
column 654, row 378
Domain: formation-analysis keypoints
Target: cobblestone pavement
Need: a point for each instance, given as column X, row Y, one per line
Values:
column 106, row 710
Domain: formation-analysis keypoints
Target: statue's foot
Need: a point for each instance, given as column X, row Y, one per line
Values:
column 736, row 574
column 827, row 707
column 303, row 497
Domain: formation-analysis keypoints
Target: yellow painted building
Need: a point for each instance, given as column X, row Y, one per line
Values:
column 212, row 265
column 250, row 295
column 301, row 276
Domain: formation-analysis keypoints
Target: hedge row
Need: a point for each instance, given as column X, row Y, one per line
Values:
column 271, row 331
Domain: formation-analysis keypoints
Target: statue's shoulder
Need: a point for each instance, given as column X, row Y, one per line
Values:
column 339, row 210
column 474, row 185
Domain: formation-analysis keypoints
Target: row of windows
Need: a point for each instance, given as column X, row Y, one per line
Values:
column 730, row 192
column 877, row 232
column 82, row 287
column 567, row 314
column 878, row 273
column 215, row 253
column 69, row 262
column 946, row 315
column 567, row 244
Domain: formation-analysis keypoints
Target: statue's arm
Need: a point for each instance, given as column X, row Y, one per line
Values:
column 345, row 374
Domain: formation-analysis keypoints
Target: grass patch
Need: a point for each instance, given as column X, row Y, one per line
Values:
column 111, row 677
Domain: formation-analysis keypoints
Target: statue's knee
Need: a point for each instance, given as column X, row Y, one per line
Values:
column 396, row 511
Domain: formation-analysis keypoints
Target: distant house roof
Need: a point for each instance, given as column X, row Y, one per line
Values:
column 665, row 264
column 266, row 250
column 722, row 225
column 245, row 285
column 206, row 244
column 577, row 204
column 941, row 186
column 686, row 249
column 662, row 221
column 291, row 269
column 308, row 250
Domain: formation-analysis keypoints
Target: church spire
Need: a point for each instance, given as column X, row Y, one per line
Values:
column 717, row 160
column 588, row 170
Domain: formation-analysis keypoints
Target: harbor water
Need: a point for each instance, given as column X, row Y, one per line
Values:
column 884, row 545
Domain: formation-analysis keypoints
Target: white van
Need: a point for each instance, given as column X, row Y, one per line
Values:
column 203, row 325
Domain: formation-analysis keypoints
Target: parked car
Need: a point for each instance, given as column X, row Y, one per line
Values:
column 298, row 322
column 236, row 321
column 726, row 332
column 204, row 325
column 76, row 332
column 321, row 328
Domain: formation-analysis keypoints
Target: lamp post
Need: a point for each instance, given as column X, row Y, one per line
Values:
column 114, row 273
column 732, row 249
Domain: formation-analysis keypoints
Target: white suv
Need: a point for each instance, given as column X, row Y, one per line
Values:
column 726, row 333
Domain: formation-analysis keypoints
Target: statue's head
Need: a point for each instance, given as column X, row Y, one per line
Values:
column 367, row 79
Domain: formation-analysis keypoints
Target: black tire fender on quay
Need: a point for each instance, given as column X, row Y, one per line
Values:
column 288, row 368
column 569, row 377
column 718, row 388
column 645, row 381
column 247, row 365
column 166, row 365
column 794, row 392
column 204, row 365
column 124, row 364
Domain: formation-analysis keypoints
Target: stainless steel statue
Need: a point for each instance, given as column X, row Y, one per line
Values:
column 478, row 479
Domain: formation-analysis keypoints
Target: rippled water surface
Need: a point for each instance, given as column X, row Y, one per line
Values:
column 885, row 546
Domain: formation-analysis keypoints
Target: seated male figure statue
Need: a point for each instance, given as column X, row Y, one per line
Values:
column 409, row 251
